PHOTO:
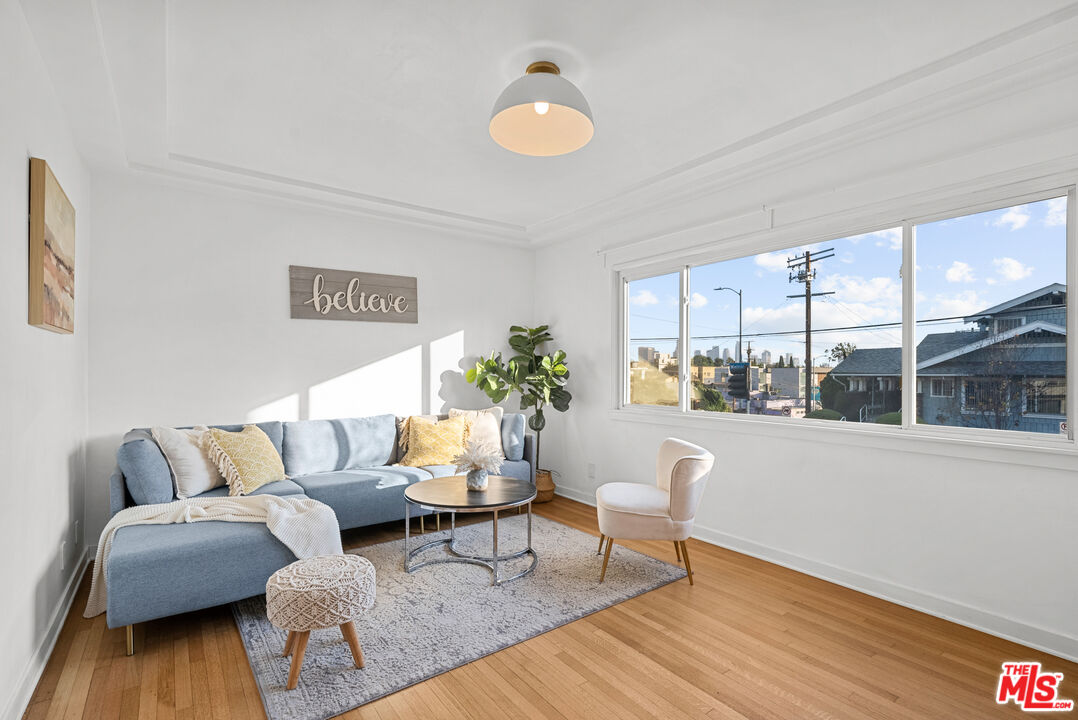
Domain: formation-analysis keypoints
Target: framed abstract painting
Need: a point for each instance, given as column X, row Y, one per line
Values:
column 52, row 252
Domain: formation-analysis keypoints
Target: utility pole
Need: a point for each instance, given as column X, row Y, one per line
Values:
column 801, row 271
column 748, row 378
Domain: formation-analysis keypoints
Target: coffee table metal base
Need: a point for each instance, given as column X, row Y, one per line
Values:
column 491, row 562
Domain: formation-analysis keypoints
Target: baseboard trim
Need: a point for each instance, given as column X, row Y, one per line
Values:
column 24, row 688
column 1022, row 633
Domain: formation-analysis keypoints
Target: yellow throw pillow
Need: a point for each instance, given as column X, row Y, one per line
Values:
column 247, row 458
column 434, row 442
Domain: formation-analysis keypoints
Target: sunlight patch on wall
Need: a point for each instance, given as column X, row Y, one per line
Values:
column 445, row 355
column 391, row 385
column 284, row 409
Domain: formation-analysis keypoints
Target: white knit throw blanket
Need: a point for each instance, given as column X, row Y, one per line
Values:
column 307, row 527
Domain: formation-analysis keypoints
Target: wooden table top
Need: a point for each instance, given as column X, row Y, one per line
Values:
column 451, row 493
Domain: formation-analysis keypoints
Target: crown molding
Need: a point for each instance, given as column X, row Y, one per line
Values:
column 336, row 200
column 956, row 83
column 1032, row 54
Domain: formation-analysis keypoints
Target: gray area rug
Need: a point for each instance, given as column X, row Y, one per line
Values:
column 443, row 616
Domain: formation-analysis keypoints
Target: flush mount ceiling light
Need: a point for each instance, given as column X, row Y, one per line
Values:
column 541, row 114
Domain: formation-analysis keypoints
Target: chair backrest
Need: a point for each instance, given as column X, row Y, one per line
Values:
column 682, row 470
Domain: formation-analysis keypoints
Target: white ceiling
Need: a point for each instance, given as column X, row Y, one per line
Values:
column 383, row 106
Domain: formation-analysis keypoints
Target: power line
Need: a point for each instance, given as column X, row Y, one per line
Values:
column 778, row 333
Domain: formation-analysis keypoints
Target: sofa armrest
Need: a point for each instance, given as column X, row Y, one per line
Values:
column 117, row 492
column 529, row 453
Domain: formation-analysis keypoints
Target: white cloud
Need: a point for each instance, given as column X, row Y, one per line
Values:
column 1056, row 213
column 852, row 289
column 644, row 297
column 1016, row 217
column 697, row 300
column 990, row 281
column 891, row 237
column 846, row 257
column 964, row 303
column 959, row 272
column 772, row 262
column 1011, row 270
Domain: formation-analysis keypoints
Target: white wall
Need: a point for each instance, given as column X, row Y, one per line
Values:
column 42, row 377
column 191, row 316
column 985, row 538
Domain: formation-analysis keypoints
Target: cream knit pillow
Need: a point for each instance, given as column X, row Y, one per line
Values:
column 484, row 426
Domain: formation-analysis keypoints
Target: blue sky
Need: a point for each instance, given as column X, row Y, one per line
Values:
column 964, row 265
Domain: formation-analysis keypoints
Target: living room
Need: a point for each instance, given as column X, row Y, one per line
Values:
column 379, row 307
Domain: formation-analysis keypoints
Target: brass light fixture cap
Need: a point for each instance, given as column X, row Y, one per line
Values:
column 543, row 66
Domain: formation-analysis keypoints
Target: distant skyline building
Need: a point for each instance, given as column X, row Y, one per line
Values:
column 697, row 353
column 765, row 357
column 715, row 353
column 646, row 354
column 726, row 354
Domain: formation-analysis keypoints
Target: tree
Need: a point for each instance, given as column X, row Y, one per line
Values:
column 702, row 361
column 782, row 362
column 710, row 398
column 841, row 351
column 994, row 397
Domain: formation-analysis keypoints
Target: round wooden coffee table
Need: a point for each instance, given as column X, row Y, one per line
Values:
column 451, row 495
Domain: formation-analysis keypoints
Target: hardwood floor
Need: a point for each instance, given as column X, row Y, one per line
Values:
column 749, row 640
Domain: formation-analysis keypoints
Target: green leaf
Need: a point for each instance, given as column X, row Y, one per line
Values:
column 518, row 329
column 537, row 422
column 470, row 375
column 560, row 399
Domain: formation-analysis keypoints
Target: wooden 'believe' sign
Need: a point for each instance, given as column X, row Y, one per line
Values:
column 320, row 294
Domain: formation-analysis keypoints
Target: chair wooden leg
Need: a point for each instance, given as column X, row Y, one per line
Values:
column 422, row 525
column 438, row 521
column 349, row 632
column 129, row 631
column 602, row 539
column 606, row 558
column 688, row 565
column 289, row 643
column 677, row 549
column 297, row 658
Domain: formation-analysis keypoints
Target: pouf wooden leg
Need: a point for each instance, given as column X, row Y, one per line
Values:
column 298, row 650
column 289, row 643
column 349, row 632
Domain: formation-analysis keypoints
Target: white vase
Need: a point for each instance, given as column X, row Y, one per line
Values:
column 476, row 479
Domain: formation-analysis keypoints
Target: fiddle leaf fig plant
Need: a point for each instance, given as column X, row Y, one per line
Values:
column 539, row 378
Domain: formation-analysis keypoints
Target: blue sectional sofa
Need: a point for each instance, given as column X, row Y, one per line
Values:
column 350, row 464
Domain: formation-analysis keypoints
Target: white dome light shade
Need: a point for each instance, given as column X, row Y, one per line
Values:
column 541, row 114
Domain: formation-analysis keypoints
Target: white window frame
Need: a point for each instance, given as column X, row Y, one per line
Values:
column 1021, row 191
column 932, row 387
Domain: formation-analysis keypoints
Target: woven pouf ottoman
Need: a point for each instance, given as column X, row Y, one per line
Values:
column 316, row 593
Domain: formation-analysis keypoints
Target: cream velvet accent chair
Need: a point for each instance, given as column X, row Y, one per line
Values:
column 664, row 511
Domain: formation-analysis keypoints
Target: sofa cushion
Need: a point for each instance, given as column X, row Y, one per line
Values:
column 192, row 470
column 442, row 470
column 315, row 446
column 280, row 488
column 160, row 570
column 519, row 469
column 513, row 436
column 363, row 496
column 484, row 426
column 145, row 470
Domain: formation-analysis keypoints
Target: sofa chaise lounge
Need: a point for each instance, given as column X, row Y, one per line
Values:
column 349, row 464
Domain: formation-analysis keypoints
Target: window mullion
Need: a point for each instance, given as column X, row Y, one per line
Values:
column 1072, row 304
column 684, row 353
column 909, row 327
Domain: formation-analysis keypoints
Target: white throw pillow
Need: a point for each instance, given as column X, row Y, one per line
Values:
column 193, row 473
column 484, row 426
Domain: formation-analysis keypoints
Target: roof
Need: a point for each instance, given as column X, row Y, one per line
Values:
column 940, row 343
column 936, row 347
column 1014, row 302
column 871, row 361
column 1026, row 368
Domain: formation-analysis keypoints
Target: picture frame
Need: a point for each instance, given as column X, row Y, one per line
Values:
column 51, row 281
